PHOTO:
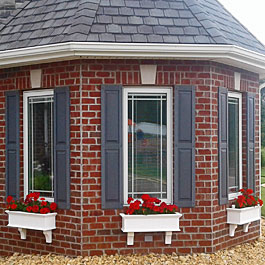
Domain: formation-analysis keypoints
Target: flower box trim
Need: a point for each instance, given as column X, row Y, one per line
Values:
column 34, row 221
column 242, row 216
column 167, row 223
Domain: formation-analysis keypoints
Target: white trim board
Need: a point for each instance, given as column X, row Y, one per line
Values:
column 26, row 96
column 152, row 90
column 232, row 196
column 227, row 54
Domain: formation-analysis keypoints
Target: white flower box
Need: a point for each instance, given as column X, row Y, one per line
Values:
column 35, row 221
column 167, row 223
column 242, row 216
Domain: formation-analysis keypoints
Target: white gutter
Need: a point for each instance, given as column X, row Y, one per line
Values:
column 228, row 54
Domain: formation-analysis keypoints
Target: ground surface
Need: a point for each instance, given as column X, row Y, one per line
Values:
column 245, row 254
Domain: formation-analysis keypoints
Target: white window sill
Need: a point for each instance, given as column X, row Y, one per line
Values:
column 232, row 196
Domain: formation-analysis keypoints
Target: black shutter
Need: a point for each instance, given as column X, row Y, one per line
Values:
column 250, row 97
column 223, row 145
column 62, row 147
column 184, row 146
column 111, row 144
column 12, row 144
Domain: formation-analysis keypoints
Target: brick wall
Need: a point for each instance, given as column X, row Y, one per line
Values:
column 67, row 236
column 87, row 229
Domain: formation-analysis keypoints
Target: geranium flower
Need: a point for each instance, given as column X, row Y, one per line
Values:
column 13, row 206
column 43, row 203
column 44, row 210
column 35, row 208
column 53, row 206
column 9, row 199
column 247, row 199
column 145, row 197
column 249, row 191
column 130, row 199
column 150, row 205
column 31, row 204
column 29, row 208
column 157, row 200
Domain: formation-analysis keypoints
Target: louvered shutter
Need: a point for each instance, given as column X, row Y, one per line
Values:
column 12, row 144
column 184, row 146
column 62, row 147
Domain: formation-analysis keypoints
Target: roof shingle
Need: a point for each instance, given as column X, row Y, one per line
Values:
column 43, row 22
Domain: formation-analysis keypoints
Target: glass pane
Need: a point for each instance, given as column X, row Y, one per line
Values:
column 147, row 145
column 233, row 144
column 40, row 128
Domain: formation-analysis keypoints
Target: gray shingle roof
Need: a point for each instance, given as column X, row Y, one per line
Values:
column 42, row 22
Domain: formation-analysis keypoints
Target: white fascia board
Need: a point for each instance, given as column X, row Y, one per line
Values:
column 228, row 54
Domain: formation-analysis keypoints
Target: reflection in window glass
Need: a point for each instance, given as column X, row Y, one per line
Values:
column 233, row 144
column 40, row 143
column 147, row 145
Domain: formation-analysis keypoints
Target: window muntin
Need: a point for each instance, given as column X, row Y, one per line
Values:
column 234, row 143
column 147, row 124
column 38, row 140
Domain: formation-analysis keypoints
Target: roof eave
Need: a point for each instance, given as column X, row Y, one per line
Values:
column 227, row 54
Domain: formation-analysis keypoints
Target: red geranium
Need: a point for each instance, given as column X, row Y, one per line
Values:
column 45, row 210
column 247, row 199
column 129, row 200
column 35, row 208
column 13, row 206
column 32, row 203
column 53, row 206
column 149, row 205
column 145, row 197
column 29, row 209
column 43, row 203
column 9, row 199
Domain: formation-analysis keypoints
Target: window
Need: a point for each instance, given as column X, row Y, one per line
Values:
column 38, row 143
column 147, row 143
column 234, row 143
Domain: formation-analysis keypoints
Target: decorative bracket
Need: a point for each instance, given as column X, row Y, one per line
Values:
column 130, row 238
column 23, row 233
column 168, row 237
column 245, row 227
column 47, row 234
column 233, row 227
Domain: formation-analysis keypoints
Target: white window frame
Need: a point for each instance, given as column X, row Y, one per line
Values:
column 26, row 95
column 149, row 90
column 232, row 196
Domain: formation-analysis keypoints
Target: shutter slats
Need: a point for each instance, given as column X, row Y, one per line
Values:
column 62, row 147
column 250, row 108
column 111, row 144
column 223, row 145
column 12, row 144
column 184, row 146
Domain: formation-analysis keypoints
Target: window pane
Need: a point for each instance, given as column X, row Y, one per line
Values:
column 40, row 142
column 233, row 144
column 147, row 145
